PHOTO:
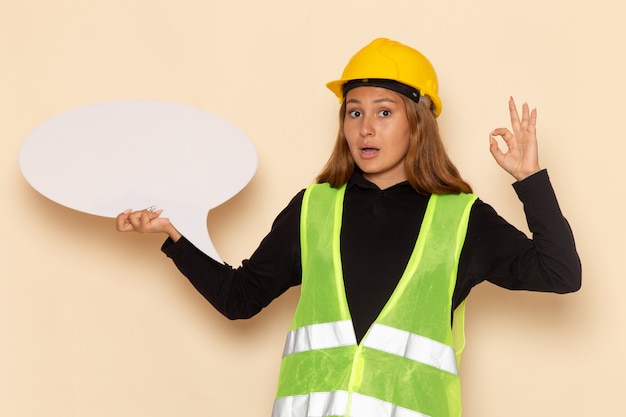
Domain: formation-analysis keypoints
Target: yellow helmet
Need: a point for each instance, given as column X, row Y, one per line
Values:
column 386, row 60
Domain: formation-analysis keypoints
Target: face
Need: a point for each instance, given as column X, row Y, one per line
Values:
column 377, row 132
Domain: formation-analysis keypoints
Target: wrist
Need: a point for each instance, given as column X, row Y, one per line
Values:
column 173, row 233
column 521, row 176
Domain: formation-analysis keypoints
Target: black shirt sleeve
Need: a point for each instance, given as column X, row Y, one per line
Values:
column 242, row 292
column 496, row 251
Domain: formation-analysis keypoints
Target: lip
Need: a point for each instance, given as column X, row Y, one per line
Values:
column 367, row 152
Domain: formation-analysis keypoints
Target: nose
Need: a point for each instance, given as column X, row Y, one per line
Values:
column 367, row 126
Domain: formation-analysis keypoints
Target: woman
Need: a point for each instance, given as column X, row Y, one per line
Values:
column 387, row 246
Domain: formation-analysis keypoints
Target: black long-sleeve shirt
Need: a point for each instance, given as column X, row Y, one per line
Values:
column 379, row 231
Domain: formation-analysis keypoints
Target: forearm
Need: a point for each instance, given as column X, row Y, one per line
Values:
column 230, row 290
column 496, row 251
column 242, row 292
column 553, row 257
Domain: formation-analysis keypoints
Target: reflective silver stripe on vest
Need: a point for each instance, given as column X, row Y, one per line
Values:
column 320, row 336
column 384, row 338
column 315, row 404
column 411, row 346
column 364, row 406
column 323, row 404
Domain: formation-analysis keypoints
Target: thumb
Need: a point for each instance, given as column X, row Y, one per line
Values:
column 494, row 148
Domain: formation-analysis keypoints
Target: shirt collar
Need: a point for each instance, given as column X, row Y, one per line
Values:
column 358, row 180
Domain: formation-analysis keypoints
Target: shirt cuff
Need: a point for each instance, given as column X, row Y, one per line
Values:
column 538, row 179
column 172, row 249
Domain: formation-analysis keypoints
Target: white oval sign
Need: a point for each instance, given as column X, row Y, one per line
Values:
column 104, row 158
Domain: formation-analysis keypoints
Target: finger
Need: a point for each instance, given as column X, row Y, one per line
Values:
column 134, row 219
column 151, row 213
column 532, row 123
column 525, row 116
column 515, row 121
column 504, row 133
column 146, row 218
column 121, row 221
column 495, row 150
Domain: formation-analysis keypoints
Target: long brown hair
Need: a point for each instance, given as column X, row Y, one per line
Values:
column 428, row 167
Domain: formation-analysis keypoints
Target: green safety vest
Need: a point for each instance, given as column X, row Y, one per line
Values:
column 406, row 365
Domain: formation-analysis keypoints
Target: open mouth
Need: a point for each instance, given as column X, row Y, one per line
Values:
column 369, row 151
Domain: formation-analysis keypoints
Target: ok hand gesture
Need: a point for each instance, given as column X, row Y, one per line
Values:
column 521, row 159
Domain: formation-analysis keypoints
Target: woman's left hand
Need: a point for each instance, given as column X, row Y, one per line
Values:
column 521, row 159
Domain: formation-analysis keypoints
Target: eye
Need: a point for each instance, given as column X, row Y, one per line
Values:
column 354, row 113
column 384, row 113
